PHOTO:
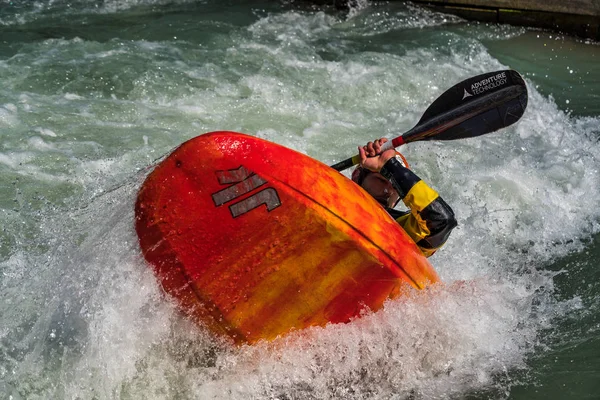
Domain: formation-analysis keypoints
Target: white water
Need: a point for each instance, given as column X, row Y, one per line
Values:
column 82, row 315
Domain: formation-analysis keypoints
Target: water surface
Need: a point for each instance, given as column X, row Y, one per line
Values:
column 95, row 92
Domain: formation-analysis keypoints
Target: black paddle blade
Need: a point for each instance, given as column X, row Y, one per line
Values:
column 474, row 107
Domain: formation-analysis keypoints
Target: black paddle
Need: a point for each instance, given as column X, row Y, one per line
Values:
column 474, row 107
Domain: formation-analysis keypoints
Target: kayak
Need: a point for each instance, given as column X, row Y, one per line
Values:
column 254, row 240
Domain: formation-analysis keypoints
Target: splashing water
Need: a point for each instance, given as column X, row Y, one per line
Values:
column 85, row 112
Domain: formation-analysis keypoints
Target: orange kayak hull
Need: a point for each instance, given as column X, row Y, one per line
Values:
column 254, row 240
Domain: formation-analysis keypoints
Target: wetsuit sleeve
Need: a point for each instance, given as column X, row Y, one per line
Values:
column 430, row 220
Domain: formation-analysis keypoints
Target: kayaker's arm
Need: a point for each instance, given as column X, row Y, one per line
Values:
column 431, row 219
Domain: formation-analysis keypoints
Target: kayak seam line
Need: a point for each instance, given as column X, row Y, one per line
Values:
column 354, row 228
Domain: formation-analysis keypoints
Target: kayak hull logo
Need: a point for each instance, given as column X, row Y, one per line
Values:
column 486, row 84
column 244, row 181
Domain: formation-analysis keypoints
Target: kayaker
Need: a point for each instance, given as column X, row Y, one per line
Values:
column 387, row 177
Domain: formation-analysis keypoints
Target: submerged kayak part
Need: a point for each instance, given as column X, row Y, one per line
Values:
column 253, row 239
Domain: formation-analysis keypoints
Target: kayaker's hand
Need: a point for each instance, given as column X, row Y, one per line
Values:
column 371, row 157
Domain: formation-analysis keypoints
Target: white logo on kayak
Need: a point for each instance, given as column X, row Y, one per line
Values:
column 244, row 181
column 487, row 84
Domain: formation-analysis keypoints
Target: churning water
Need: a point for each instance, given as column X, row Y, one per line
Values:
column 94, row 92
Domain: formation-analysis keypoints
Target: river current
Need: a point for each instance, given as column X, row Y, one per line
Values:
column 93, row 93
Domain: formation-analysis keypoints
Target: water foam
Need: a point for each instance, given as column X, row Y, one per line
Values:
column 86, row 318
column 442, row 342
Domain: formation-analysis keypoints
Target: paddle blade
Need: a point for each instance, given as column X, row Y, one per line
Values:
column 474, row 107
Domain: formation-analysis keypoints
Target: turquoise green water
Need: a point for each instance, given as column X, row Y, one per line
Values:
column 94, row 92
